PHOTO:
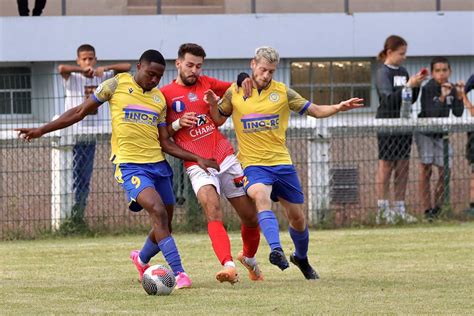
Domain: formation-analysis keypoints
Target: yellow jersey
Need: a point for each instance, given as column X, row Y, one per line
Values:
column 261, row 121
column 136, row 115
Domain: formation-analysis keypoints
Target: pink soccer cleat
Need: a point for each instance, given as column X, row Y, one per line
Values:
column 141, row 269
column 183, row 281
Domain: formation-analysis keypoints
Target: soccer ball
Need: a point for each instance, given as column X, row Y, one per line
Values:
column 158, row 280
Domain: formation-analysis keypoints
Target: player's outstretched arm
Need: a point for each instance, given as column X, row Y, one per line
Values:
column 321, row 111
column 66, row 119
column 172, row 149
column 212, row 99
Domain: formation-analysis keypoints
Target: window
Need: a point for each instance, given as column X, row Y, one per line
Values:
column 328, row 82
column 15, row 90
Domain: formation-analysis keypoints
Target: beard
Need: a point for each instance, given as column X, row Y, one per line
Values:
column 188, row 81
column 261, row 84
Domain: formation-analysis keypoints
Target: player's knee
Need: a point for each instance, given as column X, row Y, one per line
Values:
column 159, row 215
column 297, row 220
column 262, row 200
column 213, row 213
column 250, row 221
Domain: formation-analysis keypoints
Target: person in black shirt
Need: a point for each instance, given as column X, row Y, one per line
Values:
column 394, row 150
column 438, row 99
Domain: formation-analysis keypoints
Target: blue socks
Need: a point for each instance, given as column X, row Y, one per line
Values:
column 149, row 250
column 168, row 247
column 269, row 226
column 301, row 241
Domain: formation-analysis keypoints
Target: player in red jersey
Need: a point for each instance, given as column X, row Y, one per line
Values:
column 192, row 128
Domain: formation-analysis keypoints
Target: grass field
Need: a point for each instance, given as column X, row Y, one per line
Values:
column 419, row 269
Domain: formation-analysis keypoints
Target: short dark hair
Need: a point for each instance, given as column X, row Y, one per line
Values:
column 439, row 60
column 85, row 48
column 191, row 48
column 152, row 56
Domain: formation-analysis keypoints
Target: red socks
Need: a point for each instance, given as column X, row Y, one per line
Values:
column 220, row 241
column 250, row 239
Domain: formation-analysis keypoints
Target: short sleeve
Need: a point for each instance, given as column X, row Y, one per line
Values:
column 219, row 87
column 296, row 102
column 225, row 105
column 105, row 90
column 162, row 117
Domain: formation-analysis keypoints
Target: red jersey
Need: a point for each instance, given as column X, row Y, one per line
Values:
column 203, row 139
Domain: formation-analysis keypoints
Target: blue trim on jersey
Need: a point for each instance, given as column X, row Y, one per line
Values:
column 162, row 124
column 306, row 106
column 96, row 100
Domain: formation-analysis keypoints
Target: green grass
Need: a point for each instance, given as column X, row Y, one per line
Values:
column 409, row 270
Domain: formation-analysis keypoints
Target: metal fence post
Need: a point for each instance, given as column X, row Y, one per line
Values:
column 63, row 7
column 253, row 6
column 438, row 5
column 346, row 6
column 447, row 171
column 158, row 6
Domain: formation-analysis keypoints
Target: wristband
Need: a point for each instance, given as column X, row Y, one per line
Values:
column 175, row 125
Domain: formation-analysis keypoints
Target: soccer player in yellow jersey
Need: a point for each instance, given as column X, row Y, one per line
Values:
column 260, row 123
column 139, row 138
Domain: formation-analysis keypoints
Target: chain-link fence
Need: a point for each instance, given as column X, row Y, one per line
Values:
column 64, row 181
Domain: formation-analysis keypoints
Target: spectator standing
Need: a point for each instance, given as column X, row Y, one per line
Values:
column 393, row 150
column 439, row 98
column 80, row 82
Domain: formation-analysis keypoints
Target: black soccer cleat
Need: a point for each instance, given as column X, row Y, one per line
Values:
column 278, row 258
column 303, row 264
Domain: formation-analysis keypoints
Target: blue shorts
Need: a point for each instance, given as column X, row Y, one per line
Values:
column 135, row 177
column 283, row 179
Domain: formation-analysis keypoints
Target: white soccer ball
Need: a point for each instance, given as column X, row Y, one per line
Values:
column 158, row 280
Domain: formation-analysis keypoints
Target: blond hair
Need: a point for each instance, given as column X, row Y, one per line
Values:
column 268, row 53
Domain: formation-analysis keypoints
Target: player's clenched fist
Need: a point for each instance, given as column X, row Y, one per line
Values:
column 188, row 119
column 28, row 134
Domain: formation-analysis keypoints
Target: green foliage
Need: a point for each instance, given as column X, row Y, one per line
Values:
column 75, row 224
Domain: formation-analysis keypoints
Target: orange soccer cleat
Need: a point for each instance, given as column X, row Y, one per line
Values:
column 228, row 274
